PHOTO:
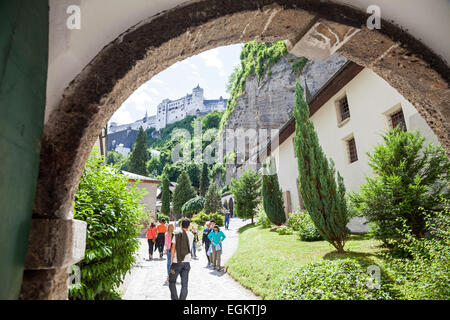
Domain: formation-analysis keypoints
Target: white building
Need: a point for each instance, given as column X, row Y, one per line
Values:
column 170, row 111
column 349, row 114
column 146, row 122
column 150, row 185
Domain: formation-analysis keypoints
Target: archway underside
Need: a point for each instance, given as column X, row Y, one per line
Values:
column 153, row 45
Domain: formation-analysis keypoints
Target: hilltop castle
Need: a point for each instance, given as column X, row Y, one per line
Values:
column 122, row 137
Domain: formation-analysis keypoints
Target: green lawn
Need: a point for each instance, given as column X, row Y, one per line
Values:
column 264, row 259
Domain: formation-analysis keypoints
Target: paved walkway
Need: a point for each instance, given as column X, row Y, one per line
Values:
column 146, row 279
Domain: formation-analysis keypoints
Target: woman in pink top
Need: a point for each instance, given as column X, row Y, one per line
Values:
column 168, row 244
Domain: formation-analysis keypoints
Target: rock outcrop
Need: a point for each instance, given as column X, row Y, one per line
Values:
column 267, row 104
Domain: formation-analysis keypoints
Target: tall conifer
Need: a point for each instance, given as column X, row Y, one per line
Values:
column 165, row 196
column 139, row 156
column 204, row 180
column 272, row 196
column 322, row 196
column 183, row 192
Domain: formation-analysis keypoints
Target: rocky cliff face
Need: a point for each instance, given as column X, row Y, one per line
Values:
column 267, row 103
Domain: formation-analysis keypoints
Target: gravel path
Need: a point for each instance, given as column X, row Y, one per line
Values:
column 146, row 280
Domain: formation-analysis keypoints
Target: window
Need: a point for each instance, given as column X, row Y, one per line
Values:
column 397, row 119
column 351, row 146
column 344, row 110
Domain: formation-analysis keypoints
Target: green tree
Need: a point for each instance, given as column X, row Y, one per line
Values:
column 409, row 180
column 194, row 173
column 114, row 157
column 183, row 192
column 323, row 197
column 165, row 194
column 213, row 202
column 272, row 196
column 112, row 211
column 204, row 180
column 139, row 155
column 245, row 193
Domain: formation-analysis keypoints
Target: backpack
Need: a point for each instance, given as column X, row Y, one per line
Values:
column 182, row 248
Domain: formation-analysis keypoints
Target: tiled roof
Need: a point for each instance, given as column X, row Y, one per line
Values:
column 134, row 176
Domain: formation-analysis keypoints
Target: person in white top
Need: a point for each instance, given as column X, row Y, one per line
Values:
column 180, row 260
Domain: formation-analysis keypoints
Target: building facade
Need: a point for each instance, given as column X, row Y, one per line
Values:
column 150, row 185
column 340, row 113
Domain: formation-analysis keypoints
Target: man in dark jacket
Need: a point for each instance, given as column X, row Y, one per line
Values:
column 180, row 256
column 206, row 242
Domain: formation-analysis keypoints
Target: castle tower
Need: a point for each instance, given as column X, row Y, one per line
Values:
column 197, row 99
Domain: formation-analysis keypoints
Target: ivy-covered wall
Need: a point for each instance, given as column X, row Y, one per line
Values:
column 23, row 75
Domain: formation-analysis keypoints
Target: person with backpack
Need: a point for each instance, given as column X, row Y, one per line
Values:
column 160, row 232
column 206, row 242
column 216, row 237
column 180, row 256
column 151, row 236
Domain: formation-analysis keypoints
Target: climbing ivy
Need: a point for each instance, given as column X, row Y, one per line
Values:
column 256, row 58
column 298, row 65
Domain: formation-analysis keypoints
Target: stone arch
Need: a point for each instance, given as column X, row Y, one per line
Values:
column 144, row 50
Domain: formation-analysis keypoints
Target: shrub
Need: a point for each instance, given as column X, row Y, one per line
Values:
column 284, row 230
column 200, row 218
column 425, row 273
column 262, row 219
column 307, row 230
column 161, row 216
column 193, row 206
column 245, row 193
column 112, row 212
column 409, row 176
column 295, row 219
column 331, row 280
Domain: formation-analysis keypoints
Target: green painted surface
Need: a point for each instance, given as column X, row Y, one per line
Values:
column 23, row 75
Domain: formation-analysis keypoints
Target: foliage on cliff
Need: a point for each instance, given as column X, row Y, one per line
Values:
column 256, row 58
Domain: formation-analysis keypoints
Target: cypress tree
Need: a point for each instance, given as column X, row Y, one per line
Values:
column 323, row 198
column 183, row 192
column 139, row 156
column 165, row 196
column 204, row 181
column 213, row 202
column 273, row 197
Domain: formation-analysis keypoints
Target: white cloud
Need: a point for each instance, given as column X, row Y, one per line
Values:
column 158, row 81
column 211, row 59
column 154, row 91
column 122, row 116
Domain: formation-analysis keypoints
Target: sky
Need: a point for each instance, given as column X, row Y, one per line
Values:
column 209, row 69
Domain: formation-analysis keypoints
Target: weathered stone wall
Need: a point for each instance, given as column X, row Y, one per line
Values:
column 267, row 104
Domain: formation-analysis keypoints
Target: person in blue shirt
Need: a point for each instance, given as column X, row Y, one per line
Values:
column 205, row 240
column 227, row 219
column 216, row 237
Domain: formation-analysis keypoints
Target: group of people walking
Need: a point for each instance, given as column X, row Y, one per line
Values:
column 180, row 247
